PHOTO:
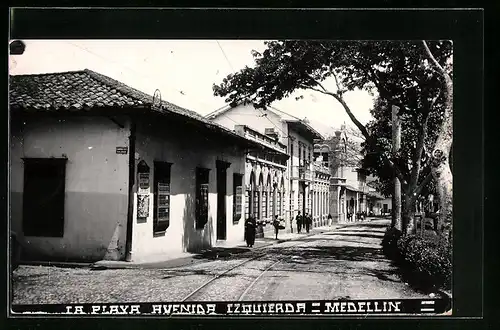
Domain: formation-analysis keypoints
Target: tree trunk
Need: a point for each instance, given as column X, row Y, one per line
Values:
column 396, row 145
column 441, row 155
column 444, row 185
column 408, row 215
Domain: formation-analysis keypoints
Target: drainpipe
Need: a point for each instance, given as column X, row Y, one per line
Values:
column 304, row 198
column 131, row 183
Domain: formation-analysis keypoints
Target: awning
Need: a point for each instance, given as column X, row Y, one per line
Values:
column 351, row 188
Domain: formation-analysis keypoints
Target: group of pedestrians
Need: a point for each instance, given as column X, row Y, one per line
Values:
column 303, row 221
column 251, row 227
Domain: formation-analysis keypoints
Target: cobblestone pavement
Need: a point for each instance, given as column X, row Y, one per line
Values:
column 344, row 263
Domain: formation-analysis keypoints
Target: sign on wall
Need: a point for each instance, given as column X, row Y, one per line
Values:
column 143, row 183
column 142, row 191
column 122, row 150
column 143, row 177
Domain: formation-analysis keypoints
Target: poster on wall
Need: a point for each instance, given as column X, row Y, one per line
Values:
column 142, row 206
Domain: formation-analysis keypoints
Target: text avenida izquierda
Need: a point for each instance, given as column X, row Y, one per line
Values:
column 253, row 308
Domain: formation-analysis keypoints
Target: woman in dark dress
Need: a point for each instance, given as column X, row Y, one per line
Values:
column 276, row 225
column 250, row 226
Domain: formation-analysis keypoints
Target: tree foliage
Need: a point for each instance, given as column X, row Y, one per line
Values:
column 401, row 73
column 381, row 127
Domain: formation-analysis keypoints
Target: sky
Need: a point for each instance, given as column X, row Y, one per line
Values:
column 183, row 71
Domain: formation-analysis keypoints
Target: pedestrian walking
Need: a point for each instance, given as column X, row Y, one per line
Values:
column 250, row 226
column 298, row 218
column 330, row 219
column 276, row 224
column 308, row 222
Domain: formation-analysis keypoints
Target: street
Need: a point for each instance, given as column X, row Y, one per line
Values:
column 346, row 263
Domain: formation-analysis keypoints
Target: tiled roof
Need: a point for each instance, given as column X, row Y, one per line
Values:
column 84, row 90
column 76, row 90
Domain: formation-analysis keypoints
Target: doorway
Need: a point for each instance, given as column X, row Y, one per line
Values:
column 221, row 199
column 43, row 197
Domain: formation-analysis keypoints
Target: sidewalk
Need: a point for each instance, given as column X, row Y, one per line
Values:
column 221, row 251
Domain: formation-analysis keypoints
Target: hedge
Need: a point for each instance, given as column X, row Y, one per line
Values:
column 425, row 261
column 389, row 243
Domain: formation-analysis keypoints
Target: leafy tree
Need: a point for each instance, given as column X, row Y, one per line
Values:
column 380, row 126
column 401, row 72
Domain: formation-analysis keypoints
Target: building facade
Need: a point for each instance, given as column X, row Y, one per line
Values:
column 320, row 196
column 102, row 171
column 265, row 177
column 305, row 185
column 350, row 197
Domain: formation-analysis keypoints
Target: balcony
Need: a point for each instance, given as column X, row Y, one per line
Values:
column 270, row 142
column 363, row 187
column 319, row 167
column 301, row 173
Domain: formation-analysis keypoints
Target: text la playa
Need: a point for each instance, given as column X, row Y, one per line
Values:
column 250, row 308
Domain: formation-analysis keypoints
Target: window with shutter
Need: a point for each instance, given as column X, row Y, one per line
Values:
column 161, row 216
column 256, row 201
column 278, row 204
column 264, row 204
column 247, row 203
column 301, row 201
column 308, row 203
column 202, row 185
column 237, row 196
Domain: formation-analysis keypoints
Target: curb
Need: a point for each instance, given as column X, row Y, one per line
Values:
column 60, row 264
column 97, row 266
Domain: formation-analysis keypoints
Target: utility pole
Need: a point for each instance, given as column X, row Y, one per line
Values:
column 396, row 146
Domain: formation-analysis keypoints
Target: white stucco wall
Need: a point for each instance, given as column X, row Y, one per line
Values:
column 186, row 150
column 351, row 176
column 253, row 118
column 293, row 161
column 95, row 207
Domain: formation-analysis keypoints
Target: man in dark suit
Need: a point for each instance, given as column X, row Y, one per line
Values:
column 298, row 218
column 307, row 222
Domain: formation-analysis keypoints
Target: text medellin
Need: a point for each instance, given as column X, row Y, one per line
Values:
column 340, row 307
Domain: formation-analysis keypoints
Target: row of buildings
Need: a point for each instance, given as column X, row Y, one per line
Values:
column 352, row 195
column 100, row 170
